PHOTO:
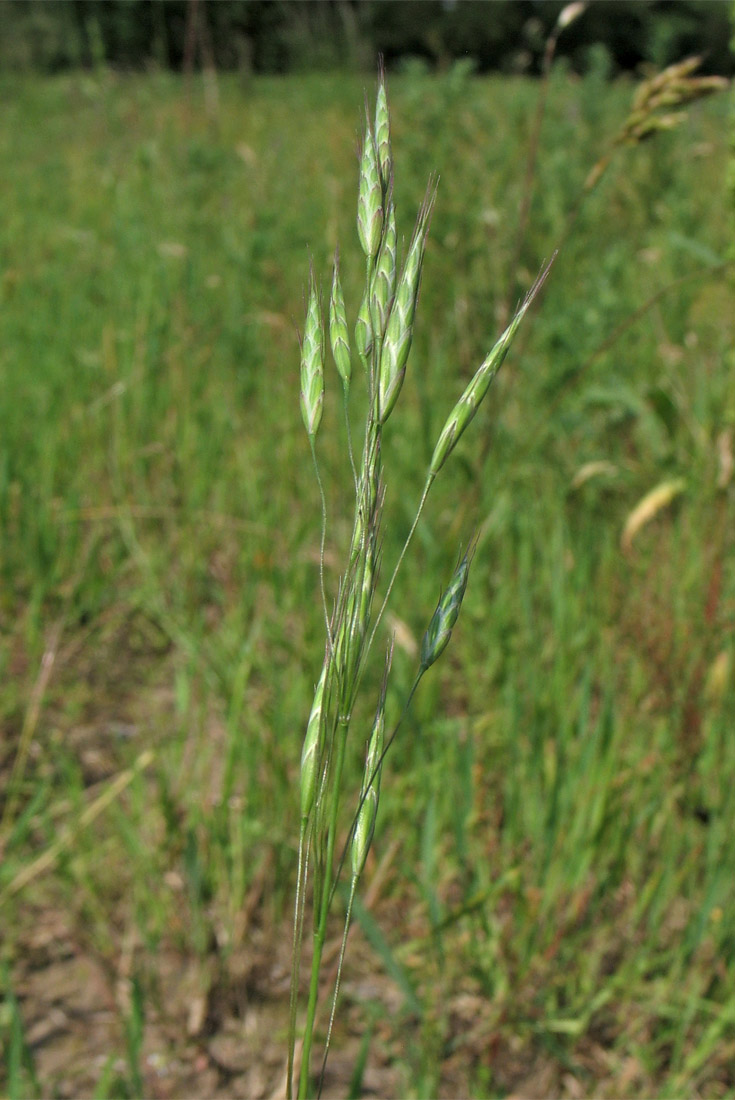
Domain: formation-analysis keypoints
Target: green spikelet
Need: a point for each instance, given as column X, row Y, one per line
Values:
column 338, row 334
column 384, row 279
column 312, row 363
column 399, row 330
column 468, row 404
column 370, row 794
column 364, row 330
column 311, row 750
column 439, row 630
column 382, row 133
column 370, row 196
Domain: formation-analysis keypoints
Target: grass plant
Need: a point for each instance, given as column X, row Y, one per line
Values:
column 383, row 337
column 546, row 906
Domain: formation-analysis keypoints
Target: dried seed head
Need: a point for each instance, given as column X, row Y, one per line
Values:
column 468, row 404
column 399, row 330
column 311, row 752
column 338, row 334
column 370, row 196
column 312, row 362
column 439, row 630
column 569, row 13
column 657, row 102
column 384, row 279
column 382, row 132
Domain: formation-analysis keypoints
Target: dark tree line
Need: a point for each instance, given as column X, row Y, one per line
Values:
column 277, row 36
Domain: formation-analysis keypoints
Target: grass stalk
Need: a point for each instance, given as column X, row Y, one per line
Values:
column 322, row 543
column 383, row 338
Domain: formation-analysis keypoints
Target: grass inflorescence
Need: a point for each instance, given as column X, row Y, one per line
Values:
column 383, row 334
column 546, row 902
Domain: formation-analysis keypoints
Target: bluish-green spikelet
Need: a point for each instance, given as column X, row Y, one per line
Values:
column 384, row 279
column 312, row 363
column 468, row 404
column 312, row 748
column 370, row 196
column 365, row 824
column 338, row 334
column 382, row 133
column 364, row 330
column 439, row 630
column 399, row 329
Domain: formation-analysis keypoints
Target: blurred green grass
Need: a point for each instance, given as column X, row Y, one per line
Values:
column 555, row 866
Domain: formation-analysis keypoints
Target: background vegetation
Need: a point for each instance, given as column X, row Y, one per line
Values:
column 548, row 908
column 276, row 36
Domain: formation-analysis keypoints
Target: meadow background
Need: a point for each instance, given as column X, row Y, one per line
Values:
column 548, row 905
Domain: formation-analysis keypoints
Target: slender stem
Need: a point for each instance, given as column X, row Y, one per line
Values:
column 348, row 677
column 342, row 728
column 414, row 525
column 322, row 544
column 371, row 779
column 348, row 429
column 310, row 1016
column 348, row 919
column 298, row 927
column 320, row 929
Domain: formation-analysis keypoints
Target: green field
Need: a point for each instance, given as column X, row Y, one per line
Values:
column 549, row 904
